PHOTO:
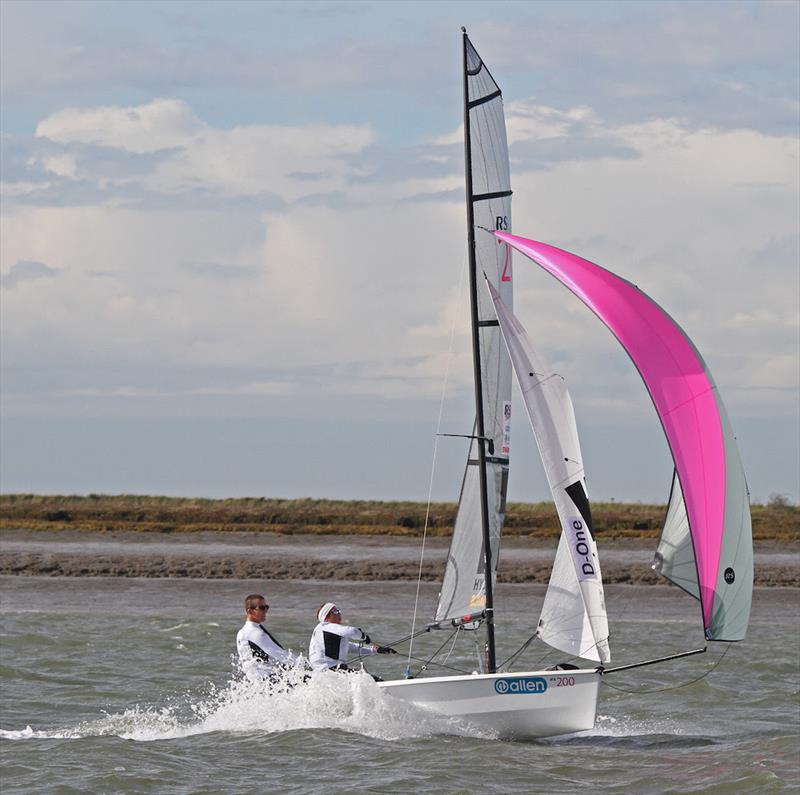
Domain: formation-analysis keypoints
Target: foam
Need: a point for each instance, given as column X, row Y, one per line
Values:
column 349, row 702
column 611, row 730
column 27, row 734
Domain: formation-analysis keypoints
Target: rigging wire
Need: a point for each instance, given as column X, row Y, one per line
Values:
column 645, row 692
column 537, row 663
column 513, row 657
column 453, row 645
column 430, row 661
column 462, row 269
column 407, row 638
column 364, row 658
column 440, row 665
column 454, row 635
column 548, row 653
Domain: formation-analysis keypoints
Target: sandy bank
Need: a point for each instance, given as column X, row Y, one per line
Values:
column 298, row 557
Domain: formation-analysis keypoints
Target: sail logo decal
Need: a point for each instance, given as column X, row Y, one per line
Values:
column 520, row 685
column 580, row 545
column 478, row 598
column 501, row 225
column 506, row 276
column 506, row 445
column 730, row 575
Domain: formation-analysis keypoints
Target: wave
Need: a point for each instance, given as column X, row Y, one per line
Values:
column 349, row 702
column 632, row 732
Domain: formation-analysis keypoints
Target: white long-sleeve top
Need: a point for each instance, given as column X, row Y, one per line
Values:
column 260, row 653
column 331, row 644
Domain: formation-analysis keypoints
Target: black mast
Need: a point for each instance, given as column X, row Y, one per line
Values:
column 476, row 359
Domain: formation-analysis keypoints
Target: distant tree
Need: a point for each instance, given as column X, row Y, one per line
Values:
column 778, row 500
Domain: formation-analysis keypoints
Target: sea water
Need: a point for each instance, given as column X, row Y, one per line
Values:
column 129, row 686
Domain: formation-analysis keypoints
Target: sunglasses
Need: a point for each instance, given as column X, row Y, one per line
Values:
column 260, row 607
column 335, row 612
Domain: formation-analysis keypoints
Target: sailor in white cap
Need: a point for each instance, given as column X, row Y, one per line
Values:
column 332, row 641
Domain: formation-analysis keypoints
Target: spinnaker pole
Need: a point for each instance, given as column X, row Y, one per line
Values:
column 476, row 360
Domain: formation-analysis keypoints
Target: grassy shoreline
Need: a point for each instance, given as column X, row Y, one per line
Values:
column 110, row 513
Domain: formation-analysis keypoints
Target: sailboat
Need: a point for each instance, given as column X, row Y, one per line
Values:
column 706, row 542
column 573, row 619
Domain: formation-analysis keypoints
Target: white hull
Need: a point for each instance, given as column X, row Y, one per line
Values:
column 521, row 705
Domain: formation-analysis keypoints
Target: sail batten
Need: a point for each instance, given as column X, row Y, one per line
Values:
column 709, row 470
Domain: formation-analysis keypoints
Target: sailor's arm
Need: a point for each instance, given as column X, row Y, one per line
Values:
column 272, row 649
column 363, row 645
column 278, row 653
column 353, row 633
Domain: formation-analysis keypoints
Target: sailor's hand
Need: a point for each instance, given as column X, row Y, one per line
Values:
column 385, row 650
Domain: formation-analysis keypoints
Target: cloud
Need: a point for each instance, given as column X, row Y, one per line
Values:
column 729, row 65
column 348, row 260
column 453, row 195
column 27, row 271
column 397, row 378
column 43, row 172
column 249, row 389
column 161, row 154
column 688, row 221
column 543, row 154
column 160, row 124
column 246, row 216
column 726, row 65
column 213, row 270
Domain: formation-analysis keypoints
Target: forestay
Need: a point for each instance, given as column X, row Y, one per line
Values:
column 709, row 487
column 464, row 586
column 573, row 616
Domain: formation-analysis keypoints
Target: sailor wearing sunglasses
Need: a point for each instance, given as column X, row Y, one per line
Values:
column 260, row 653
column 332, row 641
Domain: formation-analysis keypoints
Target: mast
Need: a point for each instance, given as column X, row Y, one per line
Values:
column 476, row 360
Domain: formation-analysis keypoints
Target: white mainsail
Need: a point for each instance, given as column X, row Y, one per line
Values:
column 573, row 617
column 464, row 585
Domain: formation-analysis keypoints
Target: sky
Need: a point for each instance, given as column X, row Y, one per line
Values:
column 233, row 245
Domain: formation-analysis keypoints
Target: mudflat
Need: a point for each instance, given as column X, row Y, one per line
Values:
column 234, row 554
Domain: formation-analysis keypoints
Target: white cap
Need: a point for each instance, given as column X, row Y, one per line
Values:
column 324, row 610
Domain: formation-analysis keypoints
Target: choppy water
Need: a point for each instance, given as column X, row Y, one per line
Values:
column 112, row 685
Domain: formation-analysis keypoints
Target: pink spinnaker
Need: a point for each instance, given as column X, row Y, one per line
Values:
column 679, row 385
